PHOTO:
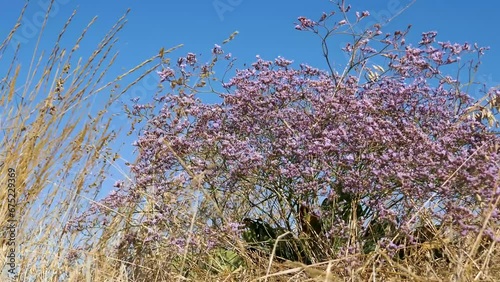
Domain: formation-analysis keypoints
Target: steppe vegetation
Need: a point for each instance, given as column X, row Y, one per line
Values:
column 386, row 170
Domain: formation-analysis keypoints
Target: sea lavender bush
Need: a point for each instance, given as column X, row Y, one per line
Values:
column 286, row 143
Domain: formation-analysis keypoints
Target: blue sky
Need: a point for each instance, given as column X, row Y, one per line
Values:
column 265, row 28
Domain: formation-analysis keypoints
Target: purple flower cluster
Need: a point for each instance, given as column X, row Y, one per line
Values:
column 281, row 137
column 394, row 143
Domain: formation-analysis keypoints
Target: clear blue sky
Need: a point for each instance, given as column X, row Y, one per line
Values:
column 265, row 27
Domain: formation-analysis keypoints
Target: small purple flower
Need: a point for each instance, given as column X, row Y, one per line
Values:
column 281, row 62
column 74, row 254
column 306, row 23
column 362, row 15
column 191, row 59
column 217, row 50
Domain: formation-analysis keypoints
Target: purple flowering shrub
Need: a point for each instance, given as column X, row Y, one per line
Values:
column 285, row 143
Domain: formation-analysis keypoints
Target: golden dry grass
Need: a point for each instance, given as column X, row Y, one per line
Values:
column 59, row 152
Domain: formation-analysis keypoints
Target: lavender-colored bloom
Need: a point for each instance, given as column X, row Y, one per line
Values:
column 191, row 59
column 217, row 50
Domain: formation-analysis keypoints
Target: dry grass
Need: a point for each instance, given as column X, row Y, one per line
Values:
column 60, row 153
column 62, row 156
